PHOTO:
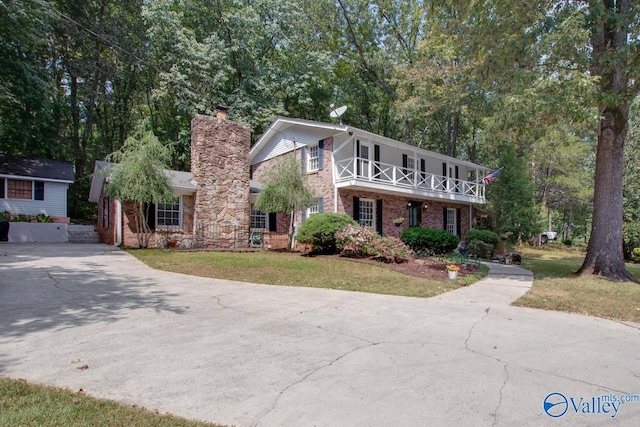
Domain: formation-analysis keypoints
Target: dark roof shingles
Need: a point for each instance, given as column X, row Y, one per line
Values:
column 36, row 168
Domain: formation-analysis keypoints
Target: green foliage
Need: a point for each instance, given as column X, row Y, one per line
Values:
column 139, row 175
column 486, row 236
column 286, row 190
column 511, row 198
column 482, row 249
column 320, row 230
column 20, row 218
column 567, row 242
column 42, row 217
column 631, row 185
column 429, row 241
column 5, row 215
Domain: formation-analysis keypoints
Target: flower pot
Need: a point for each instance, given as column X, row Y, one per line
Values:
column 453, row 275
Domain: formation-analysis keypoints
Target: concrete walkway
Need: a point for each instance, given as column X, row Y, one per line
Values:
column 258, row 355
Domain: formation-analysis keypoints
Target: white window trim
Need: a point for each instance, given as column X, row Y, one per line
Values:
column 313, row 159
column 312, row 210
column 170, row 227
column 373, row 213
column 251, row 215
column 451, row 225
column 33, row 188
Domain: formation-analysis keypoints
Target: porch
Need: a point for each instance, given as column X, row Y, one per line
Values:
column 366, row 174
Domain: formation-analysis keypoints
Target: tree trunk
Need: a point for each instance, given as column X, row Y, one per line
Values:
column 604, row 252
column 609, row 41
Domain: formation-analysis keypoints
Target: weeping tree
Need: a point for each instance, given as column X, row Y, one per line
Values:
column 138, row 176
column 286, row 191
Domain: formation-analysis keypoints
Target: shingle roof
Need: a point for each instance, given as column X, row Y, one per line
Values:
column 36, row 168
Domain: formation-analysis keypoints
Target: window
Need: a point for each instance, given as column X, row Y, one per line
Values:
column 19, row 189
column 451, row 221
column 314, row 209
column 168, row 214
column 38, row 190
column 258, row 219
column 415, row 214
column 411, row 164
column 367, row 213
column 313, row 158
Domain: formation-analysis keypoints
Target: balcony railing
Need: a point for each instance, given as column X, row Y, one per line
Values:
column 365, row 170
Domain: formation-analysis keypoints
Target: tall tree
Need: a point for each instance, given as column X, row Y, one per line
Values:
column 615, row 43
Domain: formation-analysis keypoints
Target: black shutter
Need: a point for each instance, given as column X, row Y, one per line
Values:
column 320, row 155
column 320, row 204
column 151, row 215
column 444, row 170
column 457, row 175
column 444, row 218
column 458, row 225
column 273, row 222
column 1, row 188
column 376, row 159
column 423, row 165
column 357, row 159
column 38, row 193
column 379, row 216
column 303, row 159
column 419, row 214
column 356, row 209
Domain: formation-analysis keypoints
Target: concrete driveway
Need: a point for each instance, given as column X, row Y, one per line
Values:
column 248, row 354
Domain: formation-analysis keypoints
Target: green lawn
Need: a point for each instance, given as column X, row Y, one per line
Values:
column 23, row 404
column 291, row 269
column 556, row 287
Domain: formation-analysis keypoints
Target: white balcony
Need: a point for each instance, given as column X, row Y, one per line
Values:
column 385, row 178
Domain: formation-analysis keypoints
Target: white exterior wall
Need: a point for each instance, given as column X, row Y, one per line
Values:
column 54, row 203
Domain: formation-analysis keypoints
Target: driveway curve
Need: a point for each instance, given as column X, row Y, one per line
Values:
column 258, row 355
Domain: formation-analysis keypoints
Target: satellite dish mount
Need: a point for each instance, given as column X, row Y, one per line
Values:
column 338, row 112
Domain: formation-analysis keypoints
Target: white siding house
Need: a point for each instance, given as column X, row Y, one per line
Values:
column 34, row 186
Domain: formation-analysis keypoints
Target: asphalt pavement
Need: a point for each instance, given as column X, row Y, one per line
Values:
column 258, row 355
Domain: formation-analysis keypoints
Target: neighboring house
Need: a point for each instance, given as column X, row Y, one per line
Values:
column 35, row 186
column 372, row 178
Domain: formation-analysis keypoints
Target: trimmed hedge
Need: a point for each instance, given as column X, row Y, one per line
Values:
column 319, row 230
column 429, row 240
column 485, row 236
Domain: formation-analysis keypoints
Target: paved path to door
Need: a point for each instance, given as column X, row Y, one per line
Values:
column 247, row 354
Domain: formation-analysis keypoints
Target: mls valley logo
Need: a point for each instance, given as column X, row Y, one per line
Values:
column 557, row 404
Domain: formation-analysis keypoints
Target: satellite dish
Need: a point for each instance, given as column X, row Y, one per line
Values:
column 338, row 112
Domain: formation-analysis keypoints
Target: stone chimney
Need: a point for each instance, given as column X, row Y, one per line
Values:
column 222, row 112
column 220, row 167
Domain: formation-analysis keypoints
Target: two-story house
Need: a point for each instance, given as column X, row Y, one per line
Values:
column 372, row 178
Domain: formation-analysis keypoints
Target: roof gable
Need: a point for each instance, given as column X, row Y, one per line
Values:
column 45, row 169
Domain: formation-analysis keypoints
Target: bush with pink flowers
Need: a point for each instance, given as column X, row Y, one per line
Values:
column 362, row 242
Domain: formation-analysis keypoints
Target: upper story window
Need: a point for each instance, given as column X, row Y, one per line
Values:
column 21, row 189
column 313, row 158
column 168, row 215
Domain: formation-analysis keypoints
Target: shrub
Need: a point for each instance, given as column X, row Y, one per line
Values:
column 5, row 215
column 42, row 217
column 429, row 241
column 636, row 254
column 363, row 242
column 320, row 230
column 481, row 249
column 21, row 218
column 485, row 236
column 356, row 240
column 568, row 242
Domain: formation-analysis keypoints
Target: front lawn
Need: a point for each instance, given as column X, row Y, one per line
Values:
column 292, row 269
column 556, row 287
column 23, row 404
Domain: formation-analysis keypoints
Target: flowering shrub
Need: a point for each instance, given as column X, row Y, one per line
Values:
column 363, row 242
column 356, row 240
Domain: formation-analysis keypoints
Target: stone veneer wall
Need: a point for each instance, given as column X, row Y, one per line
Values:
column 220, row 166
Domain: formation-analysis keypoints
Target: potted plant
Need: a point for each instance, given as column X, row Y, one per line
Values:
column 398, row 221
column 452, row 271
